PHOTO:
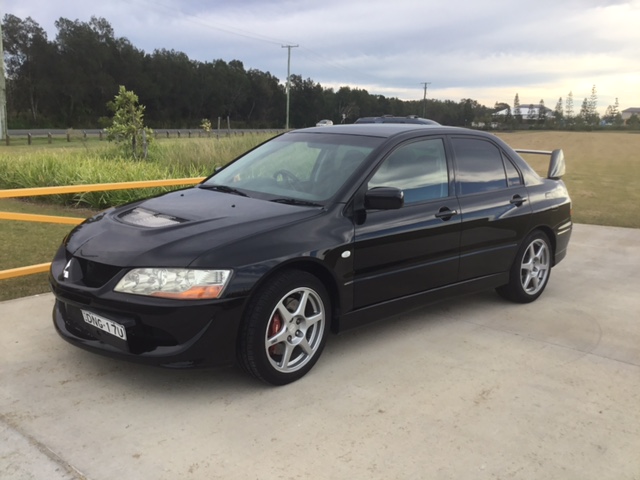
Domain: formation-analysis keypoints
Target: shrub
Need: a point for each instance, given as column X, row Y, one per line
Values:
column 178, row 158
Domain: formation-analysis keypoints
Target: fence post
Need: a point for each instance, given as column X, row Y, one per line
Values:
column 49, row 137
column 84, row 134
column 100, row 135
column 68, row 137
column 178, row 133
column 189, row 133
column 167, row 133
column 7, row 139
column 29, row 138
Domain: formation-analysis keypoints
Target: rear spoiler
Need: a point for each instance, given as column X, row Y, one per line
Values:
column 556, row 163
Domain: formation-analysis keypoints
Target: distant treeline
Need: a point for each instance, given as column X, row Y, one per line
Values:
column 68, row 81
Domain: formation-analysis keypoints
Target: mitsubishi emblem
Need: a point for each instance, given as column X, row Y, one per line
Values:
column 65, row 271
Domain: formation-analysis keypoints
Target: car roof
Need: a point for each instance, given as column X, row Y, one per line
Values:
column 382, row 130
column 396, row 119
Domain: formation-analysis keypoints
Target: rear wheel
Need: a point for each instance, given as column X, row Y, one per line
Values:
column 285, row 328
column 530, row 272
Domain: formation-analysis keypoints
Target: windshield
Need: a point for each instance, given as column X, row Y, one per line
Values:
column 301, row 166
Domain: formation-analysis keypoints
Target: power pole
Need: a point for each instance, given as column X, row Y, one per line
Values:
column 424, row 100
column 3, row 93
column 288, row 47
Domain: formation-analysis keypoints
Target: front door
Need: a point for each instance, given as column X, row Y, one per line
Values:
column 415, row 248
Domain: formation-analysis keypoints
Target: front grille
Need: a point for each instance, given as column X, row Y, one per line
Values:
column 96, row 274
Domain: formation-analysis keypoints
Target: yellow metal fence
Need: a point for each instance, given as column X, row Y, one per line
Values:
column 96, row 187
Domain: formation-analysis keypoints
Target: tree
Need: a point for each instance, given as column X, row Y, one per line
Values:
column 68, row 82
column 542, row 111
column 29, row 60
column 348, row 108
column 516, row 109
column 617, row 116
column 583, row 116
column 612, row 116
column 128, row 123
column 569, row 109
column 558, row 113
column 592, row 108
column 634, row 122
column 499, row 107
column 468, row 114
column 85, row 59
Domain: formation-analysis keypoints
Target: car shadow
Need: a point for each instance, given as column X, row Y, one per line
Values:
column 365, row 340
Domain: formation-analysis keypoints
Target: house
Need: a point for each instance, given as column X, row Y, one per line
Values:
column 531, row 112
column 628, row 112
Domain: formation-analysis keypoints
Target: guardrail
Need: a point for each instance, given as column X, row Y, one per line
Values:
column 71, row 134
column 95, row 187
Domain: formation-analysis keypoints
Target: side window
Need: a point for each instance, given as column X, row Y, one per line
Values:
column 513, row 176
column 479, row 166
column 418, row 168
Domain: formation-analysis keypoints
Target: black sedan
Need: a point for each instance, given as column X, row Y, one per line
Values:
column 313, row 231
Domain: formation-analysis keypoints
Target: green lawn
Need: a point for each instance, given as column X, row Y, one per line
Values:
column 30, row 243
column 603, row 174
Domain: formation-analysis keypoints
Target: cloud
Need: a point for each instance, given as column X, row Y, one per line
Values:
column 486, row 50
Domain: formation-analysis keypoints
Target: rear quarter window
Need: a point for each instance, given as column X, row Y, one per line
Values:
column 479, row 166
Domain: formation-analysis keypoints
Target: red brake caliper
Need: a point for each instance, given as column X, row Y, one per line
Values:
column 274, row 328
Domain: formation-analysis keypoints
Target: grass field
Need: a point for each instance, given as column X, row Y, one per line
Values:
column 603, row 172
column 603, row 176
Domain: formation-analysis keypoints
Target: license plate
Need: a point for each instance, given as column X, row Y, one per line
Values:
column 105, row 325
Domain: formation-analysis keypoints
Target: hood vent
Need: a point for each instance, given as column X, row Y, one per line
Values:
column 142, row 217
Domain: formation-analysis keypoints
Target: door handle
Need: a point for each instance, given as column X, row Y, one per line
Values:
column 517, row 200
column 445, row 213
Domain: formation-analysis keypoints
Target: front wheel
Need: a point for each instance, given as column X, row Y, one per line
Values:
column 285, row 327
column 530, row 272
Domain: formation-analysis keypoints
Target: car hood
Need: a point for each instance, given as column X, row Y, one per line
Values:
column 175, row 228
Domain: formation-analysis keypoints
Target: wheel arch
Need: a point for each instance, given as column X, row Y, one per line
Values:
column 548, row 231
column 318, row 270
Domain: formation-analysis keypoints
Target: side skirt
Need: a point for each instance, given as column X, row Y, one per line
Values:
column 393, row 307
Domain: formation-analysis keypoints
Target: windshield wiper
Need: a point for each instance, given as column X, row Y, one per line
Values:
column 295, row 201
column 225, row 189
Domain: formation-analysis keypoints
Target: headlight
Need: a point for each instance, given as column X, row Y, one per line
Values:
column 179, row 283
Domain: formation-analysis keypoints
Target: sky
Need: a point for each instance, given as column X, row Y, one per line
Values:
column 487, row 50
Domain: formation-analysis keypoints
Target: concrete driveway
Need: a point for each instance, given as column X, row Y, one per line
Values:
column 469, row 389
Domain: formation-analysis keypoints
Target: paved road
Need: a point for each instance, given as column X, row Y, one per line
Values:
column 469, row 389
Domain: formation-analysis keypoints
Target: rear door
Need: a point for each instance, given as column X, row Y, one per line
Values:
column 494, row 204
column 415, row 248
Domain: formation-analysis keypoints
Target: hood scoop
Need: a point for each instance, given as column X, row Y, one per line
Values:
column 141, row 217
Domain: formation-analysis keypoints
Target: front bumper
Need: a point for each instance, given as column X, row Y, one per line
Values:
column 213, row 345
column 163, row 332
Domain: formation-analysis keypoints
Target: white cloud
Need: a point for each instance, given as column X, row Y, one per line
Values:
column 483, row 50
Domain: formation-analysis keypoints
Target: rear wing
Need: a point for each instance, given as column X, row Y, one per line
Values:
column 556, row 163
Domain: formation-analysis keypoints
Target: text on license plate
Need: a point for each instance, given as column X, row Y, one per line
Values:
column 105, row 324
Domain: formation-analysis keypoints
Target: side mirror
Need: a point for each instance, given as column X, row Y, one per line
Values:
column 384, row 198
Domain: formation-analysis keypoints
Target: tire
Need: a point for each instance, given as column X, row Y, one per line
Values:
column 285, row 327
column 530, row 271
